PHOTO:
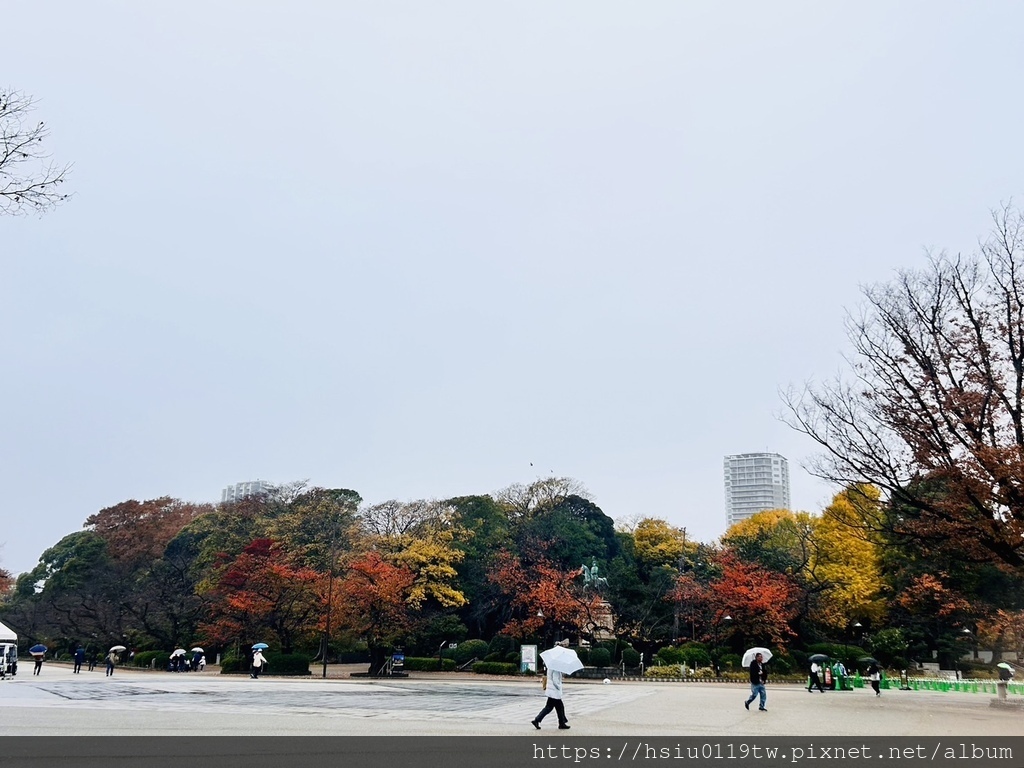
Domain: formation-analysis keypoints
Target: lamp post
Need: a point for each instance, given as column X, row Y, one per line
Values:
column 714, row 628
column 846, row 648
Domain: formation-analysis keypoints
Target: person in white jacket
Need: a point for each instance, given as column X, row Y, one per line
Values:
column 258, row 662
column 553, row 689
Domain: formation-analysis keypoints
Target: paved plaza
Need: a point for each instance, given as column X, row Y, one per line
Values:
column 132, row 703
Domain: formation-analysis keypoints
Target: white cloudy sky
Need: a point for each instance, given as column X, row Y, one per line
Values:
column 410, row 248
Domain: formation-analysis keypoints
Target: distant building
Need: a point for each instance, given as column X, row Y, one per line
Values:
column 241, row 490
column 755, row 482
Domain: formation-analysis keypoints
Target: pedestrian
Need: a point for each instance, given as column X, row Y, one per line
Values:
column 758, row 677
column 258, row 662
column 111, row 662
column 875, row 676
column 79, row 658
column 552, row 686
column 815, row 679
column 93, row 658
column 39, row 664
column 202, row 662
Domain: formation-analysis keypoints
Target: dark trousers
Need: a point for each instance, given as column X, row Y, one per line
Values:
column 110, row 669
column 816, row 681
column 558, row 706
column 39, row 666
column 875, row 686
column 78, row 666
column 256, row 672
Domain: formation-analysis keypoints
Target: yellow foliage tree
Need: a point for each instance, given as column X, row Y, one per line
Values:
column 656, row 542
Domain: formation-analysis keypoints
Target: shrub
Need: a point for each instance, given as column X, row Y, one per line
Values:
column 584, row 654
column 671, row 654
column 427, row 664
column 696, row 655
column 631, row 657
column 502, row 645
column 669, row 670
column 287, row 664
column 780, row 665
column 600, row 657
column 731, row 660
column 469, row 650
column 495, row 668
column 156, row 659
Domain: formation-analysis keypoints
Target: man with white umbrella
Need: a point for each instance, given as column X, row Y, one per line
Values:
column 758, row 677
column 557, row 660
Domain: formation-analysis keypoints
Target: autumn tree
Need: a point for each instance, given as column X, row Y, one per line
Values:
column 543, row 599
column 762, row 604
column 262, row 591
column 936, row 392
column 376, row 603
column 29, row 179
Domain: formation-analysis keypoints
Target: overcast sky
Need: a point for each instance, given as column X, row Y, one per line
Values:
column 411, row 248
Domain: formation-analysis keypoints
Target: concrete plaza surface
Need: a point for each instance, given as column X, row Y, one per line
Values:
column 144, row 703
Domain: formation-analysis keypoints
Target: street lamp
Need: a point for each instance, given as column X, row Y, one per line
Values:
column 714, row 628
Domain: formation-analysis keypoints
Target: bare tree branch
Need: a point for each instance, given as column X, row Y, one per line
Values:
column 29, row 179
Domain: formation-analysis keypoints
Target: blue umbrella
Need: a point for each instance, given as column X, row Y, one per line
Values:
column 260, row 647
column 38, row 648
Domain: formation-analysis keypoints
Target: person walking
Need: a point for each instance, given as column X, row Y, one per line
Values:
column 552, row 686
column 111, row 663
column 79, row 659
column 39, row 664
column 875, row 676
column 758, row 677
column 258, row 662
column 93, row 658
column 815, row 678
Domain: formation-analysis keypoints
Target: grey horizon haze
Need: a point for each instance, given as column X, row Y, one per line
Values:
column 423, row 251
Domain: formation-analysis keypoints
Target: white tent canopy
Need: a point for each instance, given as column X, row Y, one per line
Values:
column 7, row 635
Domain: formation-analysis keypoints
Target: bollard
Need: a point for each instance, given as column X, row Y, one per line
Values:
column 1001, row 687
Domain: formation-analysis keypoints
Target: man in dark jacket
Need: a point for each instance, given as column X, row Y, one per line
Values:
column 758, row 677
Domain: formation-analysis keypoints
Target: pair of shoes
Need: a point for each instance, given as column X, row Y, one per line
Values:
column 563, row 727
column 535, row 724
column 763, row 709
column 747, row 705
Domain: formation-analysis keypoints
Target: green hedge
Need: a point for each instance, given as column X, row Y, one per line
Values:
column 469, row 650
column 428, row 664
column 631, row 657
column 145, row 659
column 495, row 668
column 600, row 657
column 288, row 664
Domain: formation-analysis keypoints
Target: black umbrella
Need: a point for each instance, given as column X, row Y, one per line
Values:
column 867, row 660
column 818, row 658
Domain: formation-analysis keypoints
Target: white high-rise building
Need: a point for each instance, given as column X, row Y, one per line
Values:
column 241, row 490
column 755, row 482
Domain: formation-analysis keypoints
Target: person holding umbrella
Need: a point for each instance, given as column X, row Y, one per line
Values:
column 38, row 651
column 758, row 677
column 815, row 670
column 875, row 676
column 258, row 660
column 557, row 660
column 112, row 658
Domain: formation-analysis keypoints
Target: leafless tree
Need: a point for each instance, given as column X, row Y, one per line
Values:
column 933, row 411
column 29, row 179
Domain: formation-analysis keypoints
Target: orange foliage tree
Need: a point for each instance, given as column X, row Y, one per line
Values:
column 261, row 591
column 761, row 603
column 543, row 588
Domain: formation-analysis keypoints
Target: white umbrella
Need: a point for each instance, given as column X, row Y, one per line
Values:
column 117, row 648
column 179, row 652
column 750, row 653
column 197, row 649
column 562, row 660
column 1004, row 665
